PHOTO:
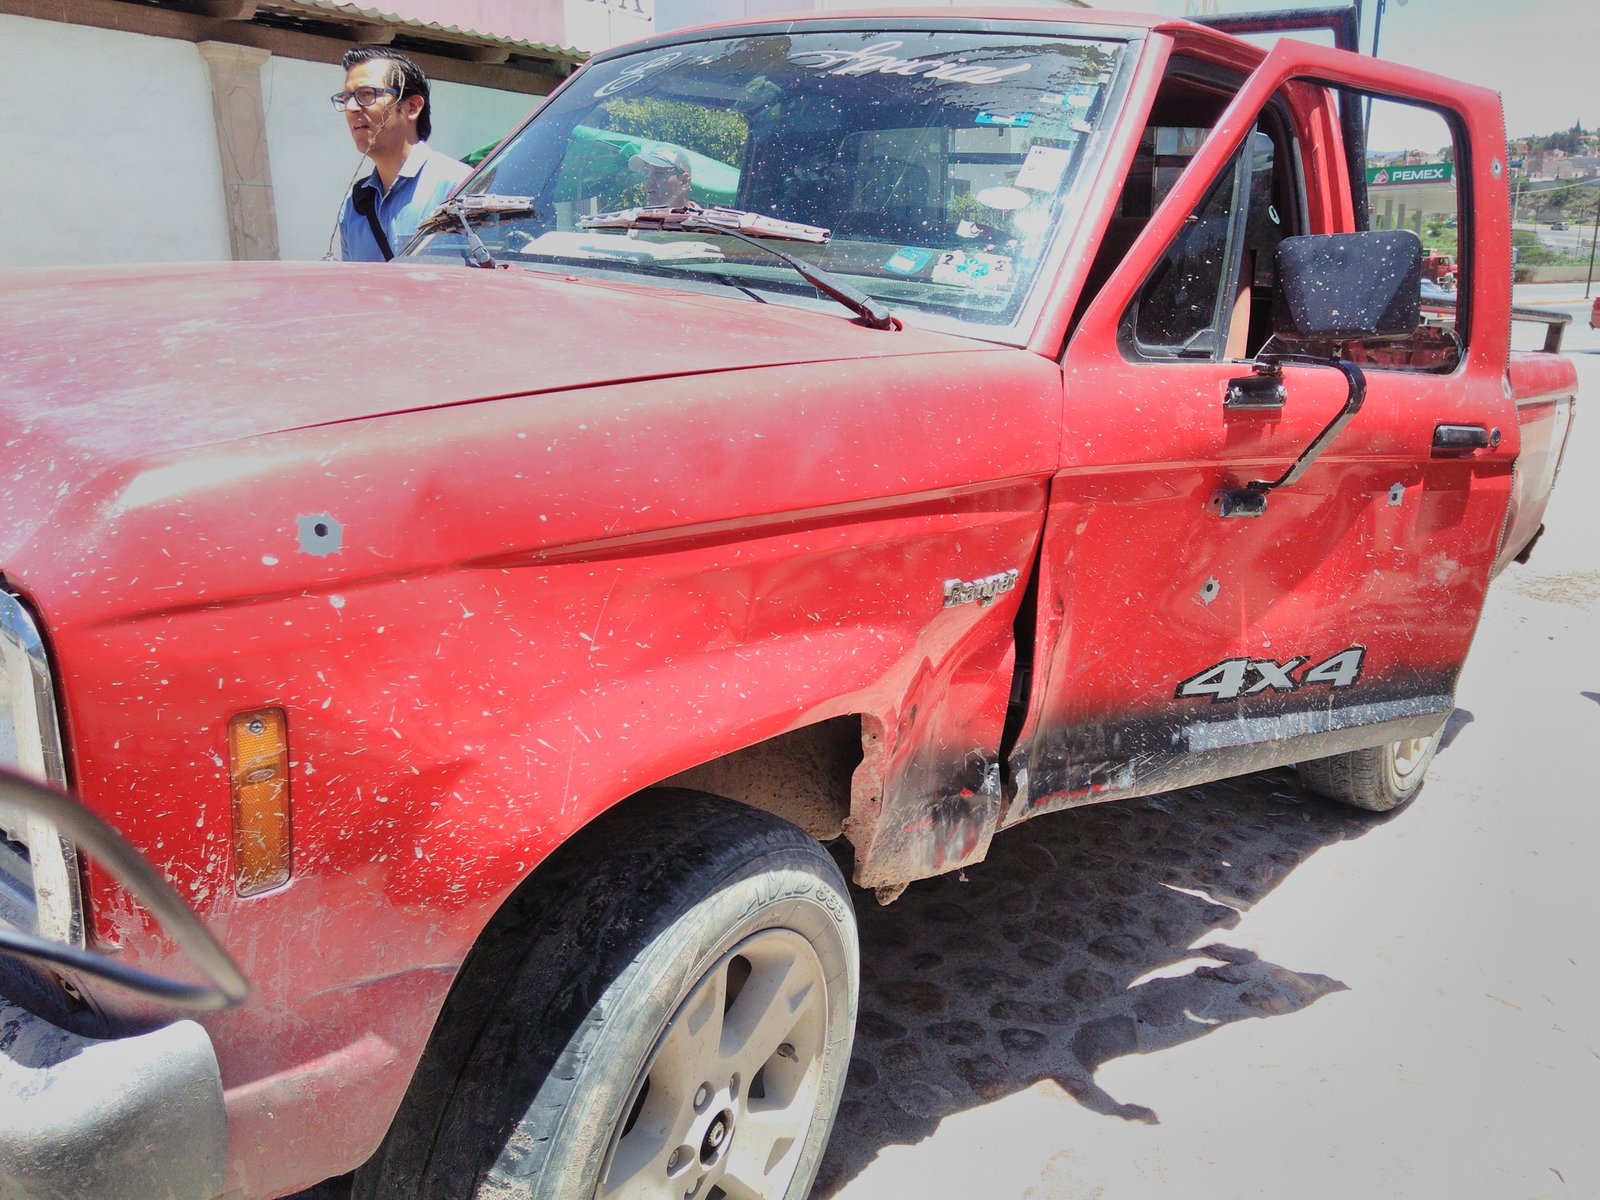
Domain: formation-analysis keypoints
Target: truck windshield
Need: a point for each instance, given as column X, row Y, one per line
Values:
column 941, row 162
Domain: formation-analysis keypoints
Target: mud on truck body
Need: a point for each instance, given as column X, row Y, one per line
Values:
column 1025, row 415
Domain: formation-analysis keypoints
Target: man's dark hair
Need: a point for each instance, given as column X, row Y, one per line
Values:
column 404, row 75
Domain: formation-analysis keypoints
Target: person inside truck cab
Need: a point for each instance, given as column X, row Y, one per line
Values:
column 666, row 172
column 385, row 103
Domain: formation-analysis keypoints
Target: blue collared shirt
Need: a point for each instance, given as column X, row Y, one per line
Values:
column 426, row 179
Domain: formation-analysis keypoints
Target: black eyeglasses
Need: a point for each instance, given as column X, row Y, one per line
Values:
column 365, row 97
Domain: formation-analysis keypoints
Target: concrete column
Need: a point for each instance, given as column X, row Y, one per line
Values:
column 242, row 143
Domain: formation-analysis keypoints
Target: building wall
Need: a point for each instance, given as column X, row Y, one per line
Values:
column 109, row 147
column 123, row 165
column 596, row 25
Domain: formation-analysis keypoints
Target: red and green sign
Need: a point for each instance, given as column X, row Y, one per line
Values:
column 1415, row 173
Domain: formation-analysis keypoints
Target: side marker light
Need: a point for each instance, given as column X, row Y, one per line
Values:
column 258, row 751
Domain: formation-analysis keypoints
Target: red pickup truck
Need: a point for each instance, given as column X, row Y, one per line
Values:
column 486, row 644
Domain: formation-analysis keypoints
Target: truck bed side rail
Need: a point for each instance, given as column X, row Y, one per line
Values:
column 1555, row 324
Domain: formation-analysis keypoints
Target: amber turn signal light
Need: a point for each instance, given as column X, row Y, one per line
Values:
column 258, row 750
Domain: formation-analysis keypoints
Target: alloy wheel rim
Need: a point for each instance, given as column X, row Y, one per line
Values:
column 723, row 1103
column 1409, row 755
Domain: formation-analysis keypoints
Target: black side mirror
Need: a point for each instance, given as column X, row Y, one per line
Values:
column 1332, row 289
column 1344, row 287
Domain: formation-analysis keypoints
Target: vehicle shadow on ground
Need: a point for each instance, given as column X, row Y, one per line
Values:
column 1038, row 964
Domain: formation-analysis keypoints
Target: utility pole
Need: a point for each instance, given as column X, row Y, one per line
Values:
column 1377, row 28
column 1594, row 236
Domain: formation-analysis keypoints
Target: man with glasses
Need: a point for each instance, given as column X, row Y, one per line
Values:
column 385, row 103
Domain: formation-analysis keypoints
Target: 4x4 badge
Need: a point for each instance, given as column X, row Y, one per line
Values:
column 1228, row 679
column 961, row 591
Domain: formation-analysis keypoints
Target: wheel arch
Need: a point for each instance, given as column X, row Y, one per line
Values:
column 532, row 925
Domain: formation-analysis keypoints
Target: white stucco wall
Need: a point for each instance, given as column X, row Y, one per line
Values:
column 109, row 148
column 314, row 161
column 595, row 25
column 123, row 167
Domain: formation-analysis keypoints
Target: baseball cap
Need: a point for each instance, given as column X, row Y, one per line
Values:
column 666, row 156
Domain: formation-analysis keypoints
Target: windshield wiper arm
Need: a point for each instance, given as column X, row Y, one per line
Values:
column 467, row 211
column 752, row 228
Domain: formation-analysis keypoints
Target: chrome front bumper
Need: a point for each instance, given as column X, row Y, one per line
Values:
column 134, row 1118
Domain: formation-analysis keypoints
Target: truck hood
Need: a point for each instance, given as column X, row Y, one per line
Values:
column 106, row 372
column 130, row 362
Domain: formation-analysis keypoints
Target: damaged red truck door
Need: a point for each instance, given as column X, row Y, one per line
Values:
column 1344, row 604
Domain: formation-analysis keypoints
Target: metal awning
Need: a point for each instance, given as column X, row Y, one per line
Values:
column 373, row 25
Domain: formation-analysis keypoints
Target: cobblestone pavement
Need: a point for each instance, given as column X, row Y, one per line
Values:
column 1053, row 957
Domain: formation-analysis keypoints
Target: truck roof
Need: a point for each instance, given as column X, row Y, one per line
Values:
column 948, row 17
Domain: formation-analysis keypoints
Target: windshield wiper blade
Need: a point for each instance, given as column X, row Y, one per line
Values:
column 467, row 211
column 473, row 209
column 707, row 220
column 752, row 228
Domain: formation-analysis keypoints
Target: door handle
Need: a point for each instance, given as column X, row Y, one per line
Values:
column 1453, row 440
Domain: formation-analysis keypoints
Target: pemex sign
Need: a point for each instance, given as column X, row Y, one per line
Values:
column 1415, row 173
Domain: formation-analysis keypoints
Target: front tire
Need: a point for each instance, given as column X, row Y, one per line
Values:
column 1378, row 779
column 667, row 1011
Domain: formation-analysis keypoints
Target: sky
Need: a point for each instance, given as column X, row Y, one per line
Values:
column 1542, row 56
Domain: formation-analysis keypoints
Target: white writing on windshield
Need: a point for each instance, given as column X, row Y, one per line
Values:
column 632, row 75
column 876, row 60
